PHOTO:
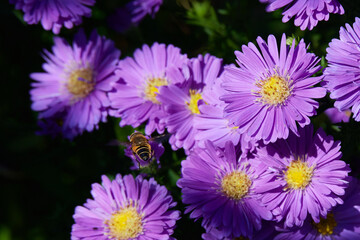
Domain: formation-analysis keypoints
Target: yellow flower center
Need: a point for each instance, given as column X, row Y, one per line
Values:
column 326, row 225
column 235, row 185
column 151, row 88
column 273, row 90
column 298, row 174
column 193, row 103
column 81, row 82
column 125, row 224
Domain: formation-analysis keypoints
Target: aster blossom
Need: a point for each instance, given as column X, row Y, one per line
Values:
column 73, row 89
column 54, row 14
column 126, row 208
column 341, row 223
column 221, row 188
column 342, row 74
column 307, row 13
column 271, row 91
column 182, row 100
column 140, row 78
column 304, row 176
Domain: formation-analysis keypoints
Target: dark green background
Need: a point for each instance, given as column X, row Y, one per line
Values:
column 42, row 179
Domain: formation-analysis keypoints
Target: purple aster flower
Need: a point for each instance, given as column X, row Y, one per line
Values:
column 304, row 176
column 157, row 149
column 307, row 13
column 335, row 116
column 342, row 74
column 140, row 78
column 341, row 223
column 182, row 101
column 126, row 208
column 76, row 81
column 53, row 14
column 221, row 188
column 270, row 91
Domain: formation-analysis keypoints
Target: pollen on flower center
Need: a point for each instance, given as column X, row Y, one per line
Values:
column 193, row 103
column 124, row 224
column 298, row 174
column 235, row 185
column 273, row 90
column 151, row 88
column 81, row 82
column 326, row 225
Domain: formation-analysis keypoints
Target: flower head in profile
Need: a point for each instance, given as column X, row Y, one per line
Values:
column 307, row 13
column 141, row 77
column 272, row 90
column 342, row 74
column 126, row 209
column 212, row 125
column 54, row 14
column 183, row 100
column 304, row 176
column 221, row 188
column 73, row 89
column 336, row 116
column 342, row 222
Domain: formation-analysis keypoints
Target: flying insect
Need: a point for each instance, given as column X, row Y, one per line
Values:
column 140, row 147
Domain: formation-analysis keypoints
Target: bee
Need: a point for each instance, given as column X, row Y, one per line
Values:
column 140, row 147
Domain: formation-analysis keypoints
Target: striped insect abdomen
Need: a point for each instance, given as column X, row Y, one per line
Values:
column 143, row 152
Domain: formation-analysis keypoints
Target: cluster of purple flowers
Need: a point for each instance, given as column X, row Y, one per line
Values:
column 252, row 155
column 255, row 167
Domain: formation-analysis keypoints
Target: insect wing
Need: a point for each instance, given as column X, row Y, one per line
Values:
column 161, row 138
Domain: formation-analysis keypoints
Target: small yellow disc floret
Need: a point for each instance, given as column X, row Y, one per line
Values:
column 273, row 91
column 298, row 175
column 326, row 225
column 151, row 88
column 193, row 103
column 125, row 224
column 81, row 82
column 235, row 185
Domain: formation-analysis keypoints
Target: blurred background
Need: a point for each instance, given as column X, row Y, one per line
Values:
column 42, row 179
